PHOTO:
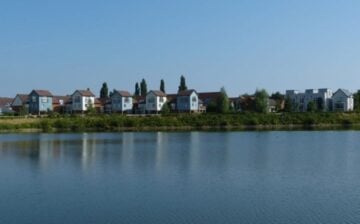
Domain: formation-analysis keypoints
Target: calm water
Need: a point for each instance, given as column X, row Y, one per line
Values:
column 190, row 177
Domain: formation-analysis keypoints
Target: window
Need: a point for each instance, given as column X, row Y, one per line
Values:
column 77, row 99
column 151, row 100
column 162, row 99
column 127, row 99
column 194, row 99
column 44, row 99
column 34, row 99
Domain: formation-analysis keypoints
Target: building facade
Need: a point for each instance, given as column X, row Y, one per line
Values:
column 322, row 98
column 343, row 101
column 187, row 101
column 121, row 101
column 40, row 101
column 155, row 101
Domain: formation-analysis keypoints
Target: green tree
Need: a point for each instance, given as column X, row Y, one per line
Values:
column 357, row 101
column 279, row 99
column 289, row 107
column 104, row 91
column 223, row 104
column 137, row 89
column 162, row 85
column 143, row 87
column 182, row 85
column 165, row 109
column 311, row 107
column 90, row 107
column 261, row 101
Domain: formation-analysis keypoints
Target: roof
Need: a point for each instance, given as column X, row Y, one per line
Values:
column 84, row 93
column 5, row 101
column 123, row 93
column 157, row 93
column 56, row 99
column 171, row 97
column 186, row 92
column 42, row 92
column 23, row 97
column 346, row 92
column 209, row 95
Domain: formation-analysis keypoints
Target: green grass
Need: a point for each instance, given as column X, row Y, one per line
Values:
column 182, row 121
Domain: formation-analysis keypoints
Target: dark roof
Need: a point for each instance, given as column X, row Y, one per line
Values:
column 5, row 101
column 42, row 92
column 171, row 97
column 346, row 92
column 186, row 92
column 84, row 92
column 158, row 93
column 123, row 93
column 209, row 95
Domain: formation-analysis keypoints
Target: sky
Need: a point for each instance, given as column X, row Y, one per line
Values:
column 242, row 45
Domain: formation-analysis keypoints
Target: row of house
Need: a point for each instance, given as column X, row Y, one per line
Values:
column 324, row 99
column 43, row 101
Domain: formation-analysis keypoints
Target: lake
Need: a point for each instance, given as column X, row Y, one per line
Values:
column 181, row 177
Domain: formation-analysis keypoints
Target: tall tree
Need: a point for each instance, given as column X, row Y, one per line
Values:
column 357, row 101
column 104, row 91
column 143, row 87
column 162, row 85
column 137, row 89
column 289, row 107
column 223, row 104
column 261, row 101
column 182, row 85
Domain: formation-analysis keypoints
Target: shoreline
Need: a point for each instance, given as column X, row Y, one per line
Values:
column 181, row 122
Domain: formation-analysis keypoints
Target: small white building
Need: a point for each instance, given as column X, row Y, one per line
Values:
column 343, row 100
column 155, row 100
column 121, row 101
column 81, row 100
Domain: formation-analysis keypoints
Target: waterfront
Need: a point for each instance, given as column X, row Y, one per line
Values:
column 181, row 177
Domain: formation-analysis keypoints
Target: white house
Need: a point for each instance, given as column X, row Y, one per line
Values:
column 121, row 101
column 321, row 97
column 343, row 100
column 155, row 100
column 187, row 101
column 81, row 100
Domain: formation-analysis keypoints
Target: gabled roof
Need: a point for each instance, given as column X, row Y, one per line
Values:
column 186, row 92
column 5, row 101
column 40, row 92
column 171, row 97
column 346, row 92
column 158, row 93
column 23, row 97
column 123, row 93
column 84, row 93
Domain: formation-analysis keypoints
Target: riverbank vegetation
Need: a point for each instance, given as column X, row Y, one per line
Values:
column 182, row 122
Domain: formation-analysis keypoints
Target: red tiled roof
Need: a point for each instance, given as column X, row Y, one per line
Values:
column 42, row 92
column 123, row 93
column 5, row 101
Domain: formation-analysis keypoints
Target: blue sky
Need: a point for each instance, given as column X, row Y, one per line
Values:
column 241, row 45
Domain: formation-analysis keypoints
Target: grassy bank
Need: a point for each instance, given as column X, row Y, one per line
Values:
column 184, row 122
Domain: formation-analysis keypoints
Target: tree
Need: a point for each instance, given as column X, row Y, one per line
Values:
column 357, row 101
column 90, row 107
column 182, row 85
column 320, row 106
column 165, row 108
column 137, row 89
column 289, row 107
column 261, row 101
column 143, row 87
column 104, row 91
column 162, row 85
column 311, row 107
column 223, row 104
